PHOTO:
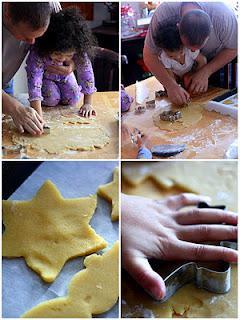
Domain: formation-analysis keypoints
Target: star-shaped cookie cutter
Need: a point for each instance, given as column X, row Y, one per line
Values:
column 216, row 281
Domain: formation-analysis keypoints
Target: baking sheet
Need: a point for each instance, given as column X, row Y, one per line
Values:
column 22, row 288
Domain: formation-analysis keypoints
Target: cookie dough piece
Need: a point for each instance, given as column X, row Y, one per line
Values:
column 49, row 230
column 195, row 176
column 91, row 291
column 66, row 134
column 110, row 192
column 191, row 115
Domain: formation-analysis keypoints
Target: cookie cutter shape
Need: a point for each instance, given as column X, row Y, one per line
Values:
column 133, row 135
column 171, row 116
column 160, row 94
column 140, row 108
column 217, row 281
column 151, row 104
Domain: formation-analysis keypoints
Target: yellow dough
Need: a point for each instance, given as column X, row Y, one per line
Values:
column 195, row 176
column 49, row 230
column 156, row 181
column 66, row 134
column 190, row 116
column 110, row 191
column 93, row 290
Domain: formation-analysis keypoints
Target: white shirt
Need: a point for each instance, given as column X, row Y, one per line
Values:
column 178, row 68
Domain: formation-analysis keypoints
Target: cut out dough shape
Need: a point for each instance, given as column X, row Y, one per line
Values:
column 93, row 290
column 110, row 192
column 49, row 230
column 190, row 116
column 216, row 179
column 66, row 134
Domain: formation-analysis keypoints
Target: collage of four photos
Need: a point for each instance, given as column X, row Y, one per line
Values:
column 120, row 159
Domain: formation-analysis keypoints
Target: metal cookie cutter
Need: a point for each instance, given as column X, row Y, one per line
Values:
column 160, row 94
column 140, row 109
column 206, row 278
column 151, row 104
column 170, row 115
column 135, row 134
column 46, row 129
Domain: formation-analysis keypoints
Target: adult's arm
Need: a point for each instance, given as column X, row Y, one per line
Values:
column 176, row 94
column 199, row 80
column 25, row 118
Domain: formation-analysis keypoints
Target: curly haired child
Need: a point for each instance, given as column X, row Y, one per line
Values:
column 67, row 39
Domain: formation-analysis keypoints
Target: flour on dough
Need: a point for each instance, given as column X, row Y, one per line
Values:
column 190, row 116
column 66, row 134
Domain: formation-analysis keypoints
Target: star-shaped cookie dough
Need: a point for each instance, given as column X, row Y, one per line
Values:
column 91, row 291
column 110, row 192
column 49, row 230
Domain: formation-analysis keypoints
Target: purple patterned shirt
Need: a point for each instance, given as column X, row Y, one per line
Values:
column 37, row 71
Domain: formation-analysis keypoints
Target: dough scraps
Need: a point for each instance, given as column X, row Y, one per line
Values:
column 110, row 192
column 217, row 179
column 190, row 116
column 199, row 177
column 66, row 134
column 93, row 290
column 49, row 230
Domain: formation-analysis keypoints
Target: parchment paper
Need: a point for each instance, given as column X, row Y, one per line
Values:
column 22, row 288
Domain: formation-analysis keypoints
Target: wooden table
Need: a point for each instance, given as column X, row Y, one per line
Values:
column 106, row 105
column 208, row 139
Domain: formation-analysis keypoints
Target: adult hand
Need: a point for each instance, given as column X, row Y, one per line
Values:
column 177, row 95
column 199, row 81
column 158, row 229
column 62, row 70
column 27, row 119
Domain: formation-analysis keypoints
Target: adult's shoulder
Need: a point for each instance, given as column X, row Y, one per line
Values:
column 218, row 9
column 167, row 11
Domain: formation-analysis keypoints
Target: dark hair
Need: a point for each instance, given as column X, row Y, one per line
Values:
column 35, row 14
column 168, row 37
column 195, row 25
column 67, row 30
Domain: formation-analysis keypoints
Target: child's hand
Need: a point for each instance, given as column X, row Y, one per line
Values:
column 159, row 229
column 87, row 110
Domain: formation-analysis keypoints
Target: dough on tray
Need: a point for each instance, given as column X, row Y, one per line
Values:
column 49, row 230
column 93, row 290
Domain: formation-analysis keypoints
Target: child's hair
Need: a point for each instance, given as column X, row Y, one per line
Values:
column 168, row 37
column 67, row 30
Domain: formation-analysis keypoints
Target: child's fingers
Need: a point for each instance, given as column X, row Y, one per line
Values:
column 149, row 280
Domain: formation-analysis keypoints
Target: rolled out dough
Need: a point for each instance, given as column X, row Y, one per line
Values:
column 93, row 290
column 156, row 181
column 198, row 177
column 66, row 134
column 190, row 116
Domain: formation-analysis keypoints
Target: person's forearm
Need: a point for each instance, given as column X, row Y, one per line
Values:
column 157, row 68
column 220, row 60
column 87, row 99
column 36, row 105
column 201, row 61
column 9, row 103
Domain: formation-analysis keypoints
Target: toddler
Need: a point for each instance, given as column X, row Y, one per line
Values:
column 67, row 39
column 177, row 59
